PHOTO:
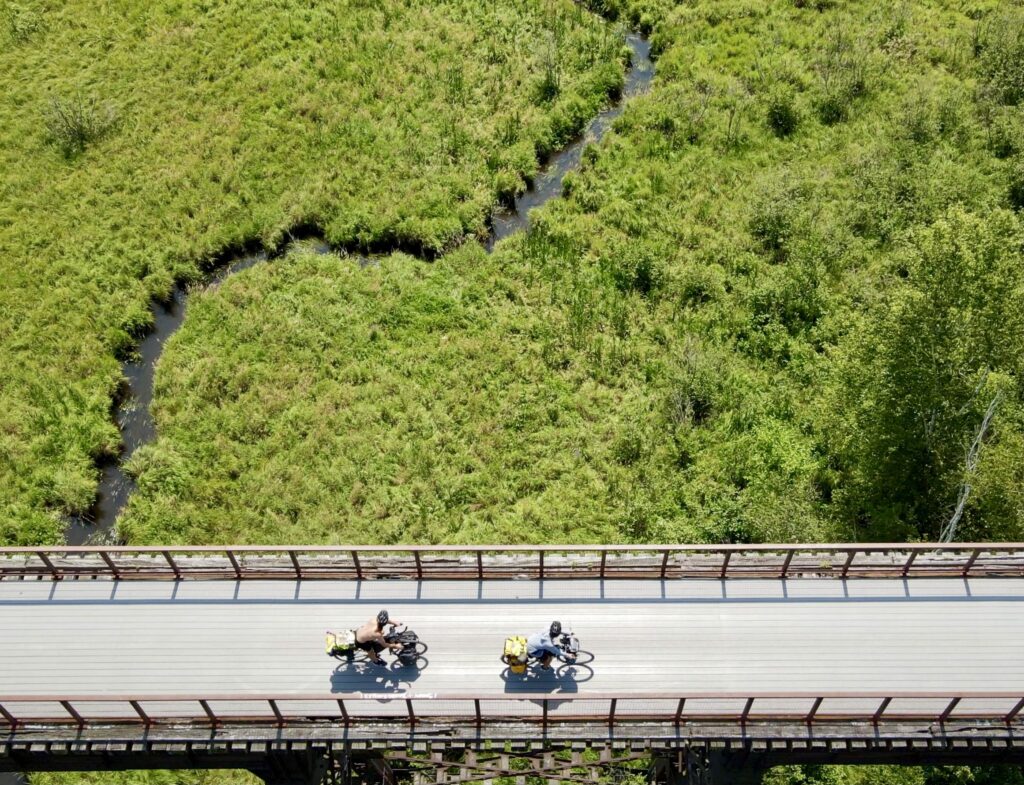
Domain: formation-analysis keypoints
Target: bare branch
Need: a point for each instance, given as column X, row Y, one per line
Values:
column 970, row 465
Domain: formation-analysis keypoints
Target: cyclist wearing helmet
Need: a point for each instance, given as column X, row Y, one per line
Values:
column 542, row 646
column 370, row 637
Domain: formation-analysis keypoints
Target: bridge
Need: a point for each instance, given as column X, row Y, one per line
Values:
column 711, row 662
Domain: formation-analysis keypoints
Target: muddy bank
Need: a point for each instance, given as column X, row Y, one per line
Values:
column 132, row 410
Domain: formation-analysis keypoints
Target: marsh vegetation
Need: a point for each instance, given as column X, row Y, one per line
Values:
column 144, row 141
column 775, row 304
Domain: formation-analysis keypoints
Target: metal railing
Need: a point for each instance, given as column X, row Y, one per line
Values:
column 512, row 562
column 407, row 710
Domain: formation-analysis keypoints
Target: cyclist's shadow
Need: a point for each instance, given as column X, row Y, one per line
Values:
column 366, row 677
column 563, row 680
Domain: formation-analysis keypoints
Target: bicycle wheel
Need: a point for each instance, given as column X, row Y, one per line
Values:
column 574, row 672
column 583, row 657
column 420, row 663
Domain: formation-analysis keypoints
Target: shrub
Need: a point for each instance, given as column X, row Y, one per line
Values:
column 1005, row 136
column 635, row 268
column 928, row 114
column 817, row 5
column 833, row 107
column 1001, row 60
column 550, row 83
column 773, row 217
column 697, row 386
column 843, row 69
column 1016, row 189
column 782, row 113
column 74, row 123
column 22, row 22
column 628, row 448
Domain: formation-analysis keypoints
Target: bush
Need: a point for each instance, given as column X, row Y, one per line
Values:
column 550, row 83
column 1001, row 60
column 22, row 22
column 628, row 448
column 816, row 5
column 1016, row 189
column 633, row 267
column 773, row 217
column 832, row 108
column 782, row 113
column 843, row 68
column 930, row 113
column 1005, row 137
column 74, row 123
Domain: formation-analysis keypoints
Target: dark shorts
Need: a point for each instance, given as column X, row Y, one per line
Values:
column 370, row 646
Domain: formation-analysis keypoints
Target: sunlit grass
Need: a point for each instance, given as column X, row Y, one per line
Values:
column 675, row 352
column 141, row 140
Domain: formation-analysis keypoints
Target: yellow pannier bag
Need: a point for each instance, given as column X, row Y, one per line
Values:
column 340, row 642
column 515, row 653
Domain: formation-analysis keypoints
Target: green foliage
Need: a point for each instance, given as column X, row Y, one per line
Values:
column 781, row 111
column 774, row 218
column 894, row 775
column 844, row 72
column 845, row 775
column 22, row 21
column 182, row 777
column 1005, row 131
column 930, row 358
column 713, row 336
column 1001, row 57
column 75, row 122
column 974, row 775
column 1015, row 192
column 396, row 124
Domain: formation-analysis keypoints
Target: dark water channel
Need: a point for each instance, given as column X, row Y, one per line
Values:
column 133, row 414
column 548, row 184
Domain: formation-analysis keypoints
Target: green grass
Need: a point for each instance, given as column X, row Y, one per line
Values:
column 139, row 777
column 745, row 321
column 142, row 140
column 403, row 403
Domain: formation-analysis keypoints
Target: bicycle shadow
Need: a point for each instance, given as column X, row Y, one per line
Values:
column 564, row 680
column 370, row 678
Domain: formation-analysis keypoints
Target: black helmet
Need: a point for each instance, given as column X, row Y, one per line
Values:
column 556, row 629
column 382, row 618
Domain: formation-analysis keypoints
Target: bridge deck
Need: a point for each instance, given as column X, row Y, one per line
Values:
column 101, row 637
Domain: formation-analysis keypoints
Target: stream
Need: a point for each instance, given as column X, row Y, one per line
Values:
column 133, row 416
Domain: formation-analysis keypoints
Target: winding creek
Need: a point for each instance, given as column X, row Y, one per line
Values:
column 133, row 414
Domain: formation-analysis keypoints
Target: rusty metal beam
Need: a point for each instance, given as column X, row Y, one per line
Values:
column 464, row 562
column 472, row 709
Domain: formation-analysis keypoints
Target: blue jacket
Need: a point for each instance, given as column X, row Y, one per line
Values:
column 541, row 642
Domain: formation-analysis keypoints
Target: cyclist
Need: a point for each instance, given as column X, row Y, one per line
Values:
column 370, row 637
column 542, row 646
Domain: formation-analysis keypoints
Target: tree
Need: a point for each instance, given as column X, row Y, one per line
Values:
column 921, row 372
